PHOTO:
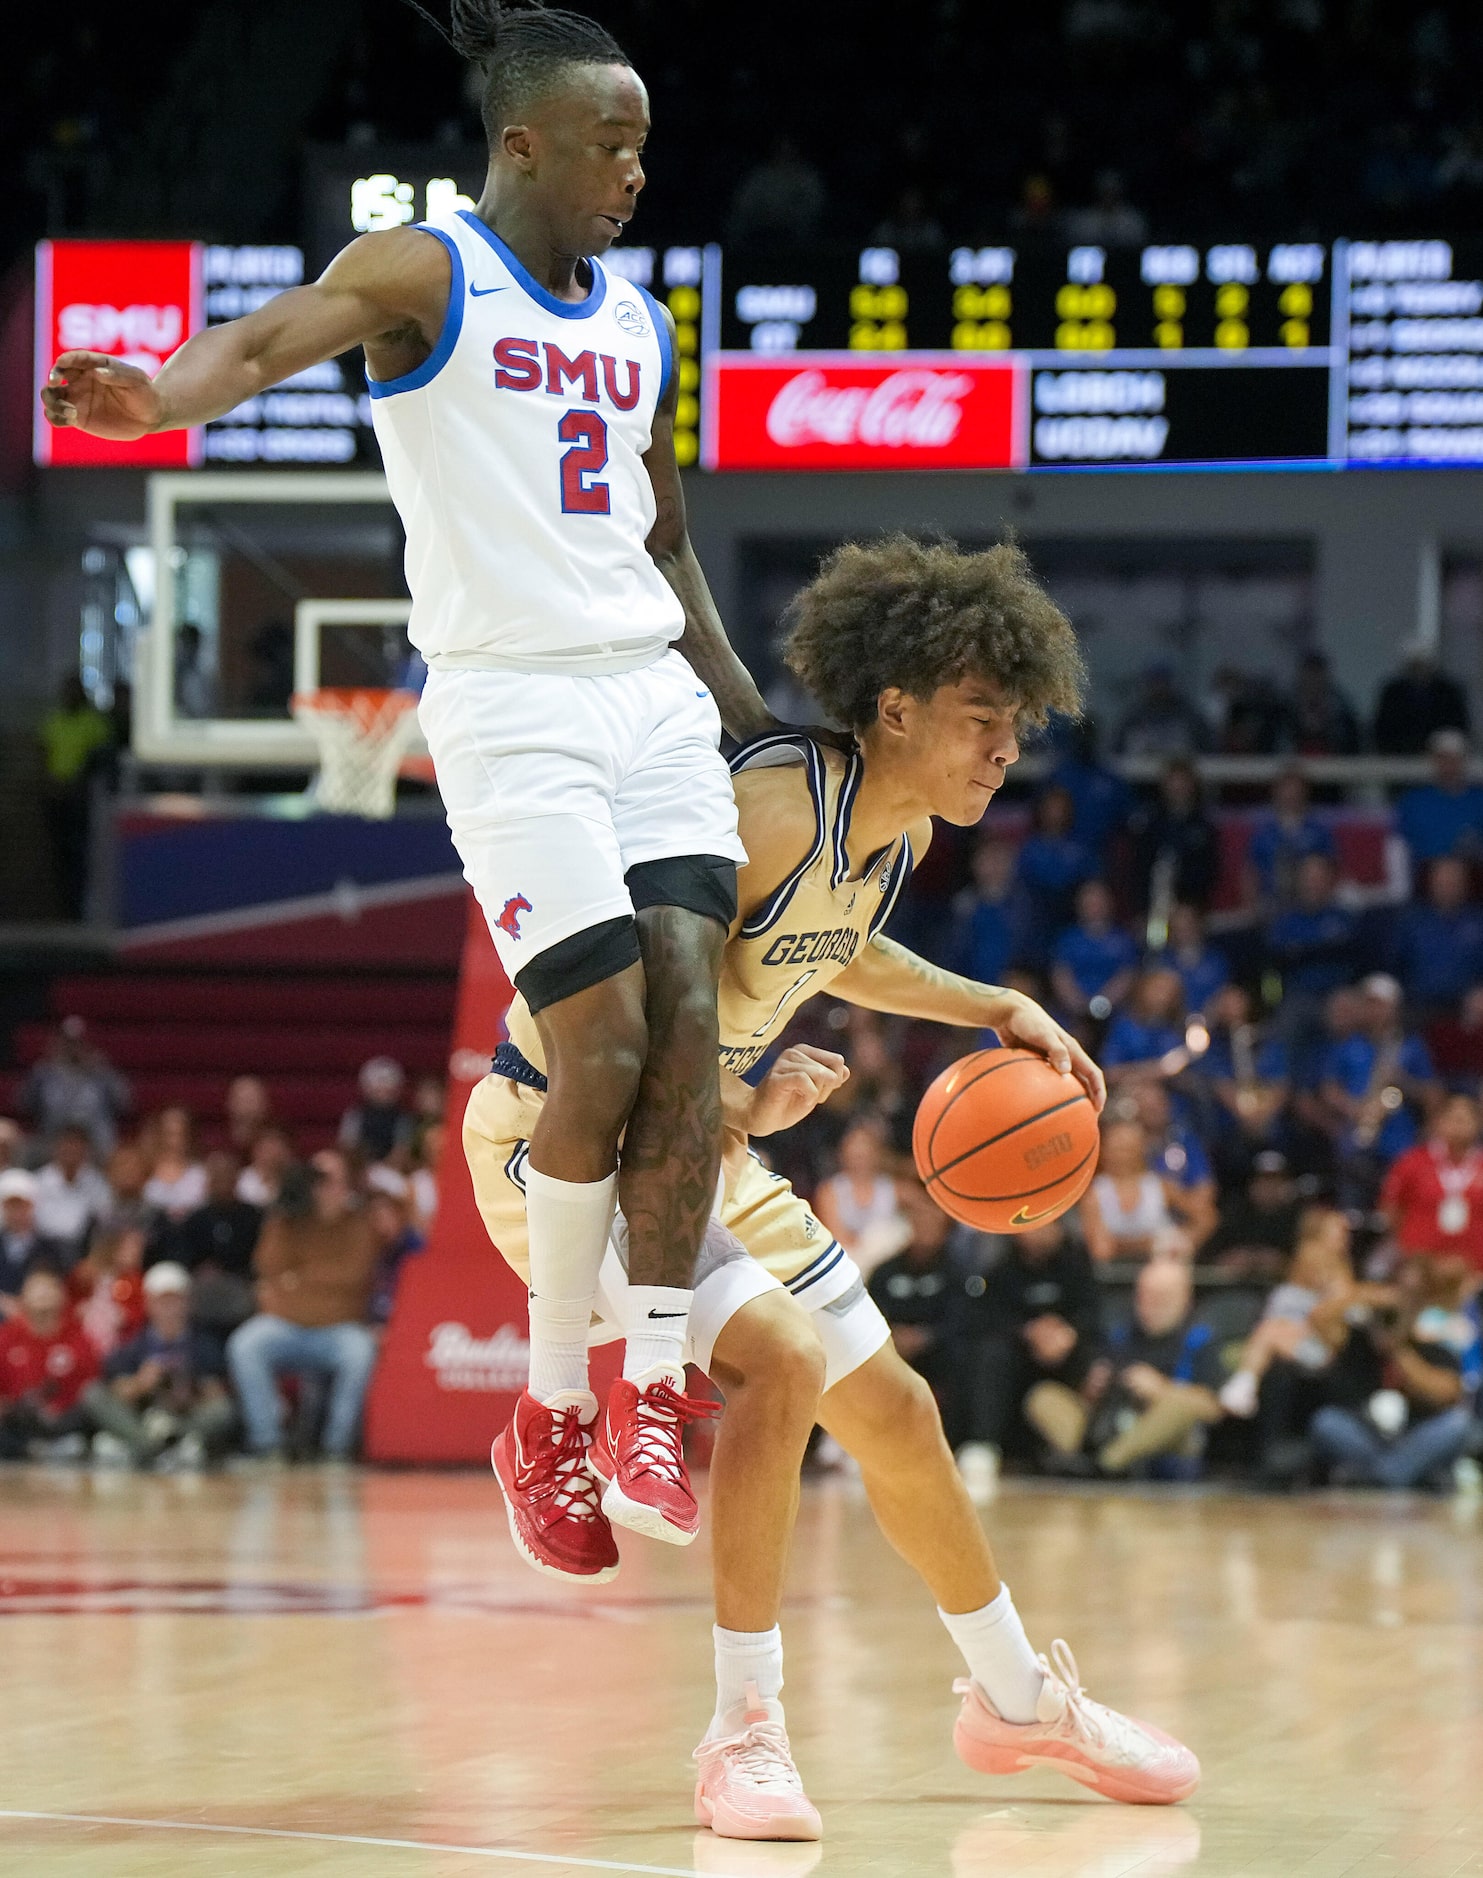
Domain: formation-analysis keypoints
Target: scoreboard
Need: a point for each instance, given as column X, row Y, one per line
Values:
column 1037, row 357
column 1238, row 355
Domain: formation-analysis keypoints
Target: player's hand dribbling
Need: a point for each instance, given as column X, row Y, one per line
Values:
column 800, row 1079
column 103, row 396
column 1020, row 1021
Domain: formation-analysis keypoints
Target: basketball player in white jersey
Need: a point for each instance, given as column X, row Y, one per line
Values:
column 524, row 397
column 933, row 658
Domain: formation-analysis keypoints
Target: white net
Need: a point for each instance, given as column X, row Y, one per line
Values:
column 362, row 736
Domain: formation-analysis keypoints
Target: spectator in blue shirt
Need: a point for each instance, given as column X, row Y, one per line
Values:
column 1313, row 943
column 1444, row 816
column 990, row 920
column 1202, row 969
column 1151, row 1026
column 1094, row 960
column 1052, row 865
column 1279, row 841
column 1102, row 801
column 1374, row 1081
column 1176, row 1153
column 1439, row 944
column 1244, row 1072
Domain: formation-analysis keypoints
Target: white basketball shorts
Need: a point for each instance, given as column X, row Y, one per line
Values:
column 556, row 784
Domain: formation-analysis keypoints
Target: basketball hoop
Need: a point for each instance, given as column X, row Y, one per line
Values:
column 361, row 734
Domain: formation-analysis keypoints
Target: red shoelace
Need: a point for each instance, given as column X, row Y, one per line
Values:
column 559, row 1473
column 653, row 1439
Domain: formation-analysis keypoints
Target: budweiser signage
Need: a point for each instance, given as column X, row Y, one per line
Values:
column 138, row 301
column 848, row 411
column 497, row 1364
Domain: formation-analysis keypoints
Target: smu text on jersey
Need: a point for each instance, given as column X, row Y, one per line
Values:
column 515, row 456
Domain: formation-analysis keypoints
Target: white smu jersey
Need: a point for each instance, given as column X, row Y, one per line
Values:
column 514, row 456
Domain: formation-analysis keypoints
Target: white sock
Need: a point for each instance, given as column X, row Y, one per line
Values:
column 569, row 1222
column 998, row 1655
column 744, row 1656
column 656, row 1319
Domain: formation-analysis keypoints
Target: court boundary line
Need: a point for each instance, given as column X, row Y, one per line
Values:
column 345, row 1838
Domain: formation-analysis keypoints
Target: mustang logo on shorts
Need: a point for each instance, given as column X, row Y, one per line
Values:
column 509, row 919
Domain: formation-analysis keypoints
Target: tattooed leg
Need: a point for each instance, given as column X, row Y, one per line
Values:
column 672, row 1148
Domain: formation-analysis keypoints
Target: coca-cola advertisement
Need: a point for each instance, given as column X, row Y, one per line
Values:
column 841, row 411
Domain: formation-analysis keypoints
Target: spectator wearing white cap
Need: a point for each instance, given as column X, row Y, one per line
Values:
column 1444, row 816
column 163, row 1400
column 71, row 1194
column 378, row 1125
column 22, row 1248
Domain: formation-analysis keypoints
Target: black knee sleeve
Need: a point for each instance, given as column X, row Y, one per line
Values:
column 700, row 883
column 578, row 963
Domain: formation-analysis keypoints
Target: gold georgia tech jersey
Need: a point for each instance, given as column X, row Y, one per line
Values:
column 816, row 920
column 811, row 926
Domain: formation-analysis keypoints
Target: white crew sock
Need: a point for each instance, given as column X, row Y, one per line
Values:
column 569, row 1222
column 656, row 1320
column 744, row 1656
column 998, row 1655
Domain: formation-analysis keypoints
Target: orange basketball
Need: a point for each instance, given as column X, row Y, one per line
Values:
column 1004, row 1142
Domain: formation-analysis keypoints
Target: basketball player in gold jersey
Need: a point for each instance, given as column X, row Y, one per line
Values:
column 934, row 659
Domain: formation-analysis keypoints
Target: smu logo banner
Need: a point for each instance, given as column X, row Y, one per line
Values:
column 139, row 301
column 855, row 411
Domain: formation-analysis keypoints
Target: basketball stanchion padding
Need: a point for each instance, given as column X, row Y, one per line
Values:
column 1004, row 1142
column 361, row 734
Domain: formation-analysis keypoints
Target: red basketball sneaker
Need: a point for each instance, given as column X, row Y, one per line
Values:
column 540, row 1461
column 638, row 1455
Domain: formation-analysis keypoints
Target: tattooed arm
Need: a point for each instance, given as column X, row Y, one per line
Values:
column 886, row 977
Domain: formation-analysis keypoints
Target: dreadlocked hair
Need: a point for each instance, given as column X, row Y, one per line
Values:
column 520, row 51
column 919, row 615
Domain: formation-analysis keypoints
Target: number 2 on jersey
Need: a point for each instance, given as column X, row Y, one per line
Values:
column 588, row 436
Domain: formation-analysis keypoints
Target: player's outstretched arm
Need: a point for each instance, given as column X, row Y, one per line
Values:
column 703, row 642
column 887, row 977
column 390, row 287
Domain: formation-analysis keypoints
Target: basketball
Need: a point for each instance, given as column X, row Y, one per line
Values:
column 1004, row 1142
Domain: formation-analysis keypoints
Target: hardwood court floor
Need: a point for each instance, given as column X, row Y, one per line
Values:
column 352, row 1676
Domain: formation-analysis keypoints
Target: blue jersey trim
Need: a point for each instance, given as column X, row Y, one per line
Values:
column 447, row 338
column 843, row 808
column 666, row 346
column 901, row 874
column 772, row 911
column 563, row 309
column 811, row 1274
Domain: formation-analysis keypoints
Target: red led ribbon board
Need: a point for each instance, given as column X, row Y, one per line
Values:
column 837, row 411
column 136, row 300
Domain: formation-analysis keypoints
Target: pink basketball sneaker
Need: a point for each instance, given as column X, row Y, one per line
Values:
column 1111, row 1753
column 540, row 1461
column 748, row 1787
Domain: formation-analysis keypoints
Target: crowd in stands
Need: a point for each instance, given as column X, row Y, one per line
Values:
column 163, row 1306
column 1275, row 1270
